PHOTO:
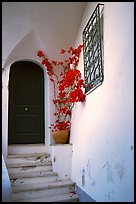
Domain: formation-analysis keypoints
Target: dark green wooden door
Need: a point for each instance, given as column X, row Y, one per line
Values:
column 26, row 103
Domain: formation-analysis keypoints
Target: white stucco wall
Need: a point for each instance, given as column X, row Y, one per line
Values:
column 103, row 135
column 32, row 43
column 28, row 27
column 61, row 160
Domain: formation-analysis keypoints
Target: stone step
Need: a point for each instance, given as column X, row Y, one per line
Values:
column 32, row 174
column 42, row 186
column 42, row 192
column 30, row 169
column 29, row 148
column 54, row 198
column 34, row 180
column 42, row 154
column 28, row 164
column 18, row 158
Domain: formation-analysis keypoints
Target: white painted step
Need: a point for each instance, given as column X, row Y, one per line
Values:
column 25, row 155
column 43, row 192
column 20, row 165
column 29, row 163
column 30, row 169
column 42, row 186
column 32, row 174
column 29, row 148
column 17, row 158
column 54, row 198
column 34, row 180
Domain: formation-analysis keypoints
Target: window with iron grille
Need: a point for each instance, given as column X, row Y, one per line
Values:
column 93, row 50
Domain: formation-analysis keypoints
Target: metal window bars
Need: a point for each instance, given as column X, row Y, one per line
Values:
column 93, row 50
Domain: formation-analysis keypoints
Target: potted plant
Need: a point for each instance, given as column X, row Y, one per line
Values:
column 68, row 87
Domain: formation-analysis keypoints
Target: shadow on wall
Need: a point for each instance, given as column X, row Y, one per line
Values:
column 6, row 186
column 83, row 197
column 31, row 42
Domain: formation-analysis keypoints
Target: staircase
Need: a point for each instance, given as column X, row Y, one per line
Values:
column 33, row 180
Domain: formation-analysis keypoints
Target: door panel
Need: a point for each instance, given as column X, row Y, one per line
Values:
column 26, row 103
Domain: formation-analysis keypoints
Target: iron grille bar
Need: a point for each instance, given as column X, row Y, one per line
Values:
column 93, row 50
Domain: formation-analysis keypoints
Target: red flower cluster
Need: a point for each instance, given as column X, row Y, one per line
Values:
column 62, row 125
column 69, row 87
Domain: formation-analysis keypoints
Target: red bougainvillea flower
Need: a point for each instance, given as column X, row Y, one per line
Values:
column 64, row 101
column 62, row 51
column 80, row 95
column 61, row 87
column 56, row 101
column 51, row 79
column 60, row 63
column 40, row 53
column 73, row 96
column 71, row 50
column 67, row 85
column 54, row 62
column 63, row 110
column 80, row 83
column 71, row 76
column 68, row 112
column 62, row 94
column 62, row 126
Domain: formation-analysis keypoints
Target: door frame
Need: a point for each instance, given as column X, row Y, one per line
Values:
column 38, row 76
column 45, row 101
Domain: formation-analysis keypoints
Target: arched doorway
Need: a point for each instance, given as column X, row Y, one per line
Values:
column 26, row 103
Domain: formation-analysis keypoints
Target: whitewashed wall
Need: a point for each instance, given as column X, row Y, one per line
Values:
column 61, row 160
column 103, row 127
column 28, row 27
column 32, row 43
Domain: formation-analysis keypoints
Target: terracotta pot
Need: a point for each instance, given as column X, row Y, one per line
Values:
column 61, row 136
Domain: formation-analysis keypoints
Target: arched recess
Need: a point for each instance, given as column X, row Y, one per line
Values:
column 26, row 104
